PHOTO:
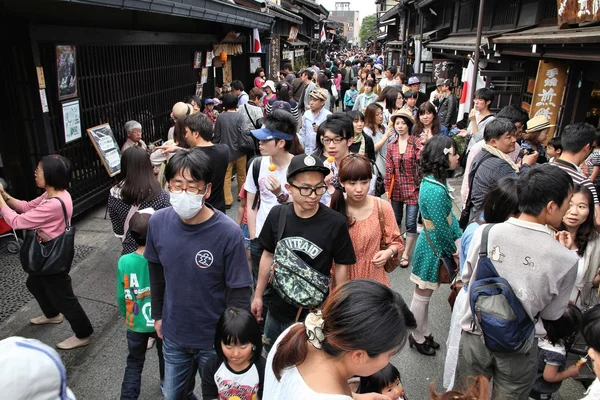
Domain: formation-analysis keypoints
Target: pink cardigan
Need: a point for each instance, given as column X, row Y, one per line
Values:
column 43, row 214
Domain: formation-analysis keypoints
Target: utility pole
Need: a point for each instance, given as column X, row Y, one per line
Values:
column 477, row 45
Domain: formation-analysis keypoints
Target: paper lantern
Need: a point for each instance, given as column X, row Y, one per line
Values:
column 223, row 56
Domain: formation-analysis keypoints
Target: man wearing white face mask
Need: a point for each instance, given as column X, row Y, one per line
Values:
column 198, row 268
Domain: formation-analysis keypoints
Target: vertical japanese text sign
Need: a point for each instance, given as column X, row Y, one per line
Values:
column 548, row 91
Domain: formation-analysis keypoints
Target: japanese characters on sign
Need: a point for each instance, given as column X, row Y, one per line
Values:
column 577, row 11
column 440, row 69
column 548, row 91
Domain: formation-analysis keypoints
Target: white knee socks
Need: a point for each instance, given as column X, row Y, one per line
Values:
column 420, row 309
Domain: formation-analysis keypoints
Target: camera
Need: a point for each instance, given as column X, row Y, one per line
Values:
column 526, row 152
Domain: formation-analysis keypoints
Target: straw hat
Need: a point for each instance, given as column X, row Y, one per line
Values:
column 180, row 110
column 402, row 113
column 318, row 95
column 538, row 123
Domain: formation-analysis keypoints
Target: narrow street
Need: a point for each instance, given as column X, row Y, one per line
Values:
column 95, row 372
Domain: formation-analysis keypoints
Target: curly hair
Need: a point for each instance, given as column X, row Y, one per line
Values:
column 433, row 160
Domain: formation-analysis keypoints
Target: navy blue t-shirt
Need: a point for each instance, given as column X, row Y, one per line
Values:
column 199, row 263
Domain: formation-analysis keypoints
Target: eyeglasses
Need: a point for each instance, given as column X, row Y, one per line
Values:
column 190, row 190
column 308, row 191
column 326, row 140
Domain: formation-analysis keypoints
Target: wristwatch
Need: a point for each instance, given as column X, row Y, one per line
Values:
column 283, row 197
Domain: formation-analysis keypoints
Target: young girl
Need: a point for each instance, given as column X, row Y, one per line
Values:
column 238, row 368
column 552, row 354
column 591, row 334
column 584, row 239
column 387, row 382
column 363, row 214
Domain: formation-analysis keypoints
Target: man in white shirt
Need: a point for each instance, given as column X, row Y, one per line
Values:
column 311, row 120
column 388, row 79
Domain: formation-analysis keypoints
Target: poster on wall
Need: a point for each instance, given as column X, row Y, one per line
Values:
column 204, row 76
column 71, row 120
column 104, row 142
column 197, row 60
column 66, row 70
column 254, row 63
column 209, row 58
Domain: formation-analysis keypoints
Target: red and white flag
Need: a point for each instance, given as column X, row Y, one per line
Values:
column 256, row 42
column 323, row 36
column 466, row 98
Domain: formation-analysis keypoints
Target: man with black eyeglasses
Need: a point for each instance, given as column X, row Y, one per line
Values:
column 313, row 232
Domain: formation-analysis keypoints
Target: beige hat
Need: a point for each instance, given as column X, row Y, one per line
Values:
column 402, row 113
column 181, row 109
column 318, row 94
column 538, row 123
column 269, row 84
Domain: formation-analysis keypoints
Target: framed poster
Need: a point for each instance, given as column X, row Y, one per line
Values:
column 209, row 58
column 204, row 76
column 104, row 142
column 66, row 70
column 254, row 63
column 197, row 60
column 71, row 120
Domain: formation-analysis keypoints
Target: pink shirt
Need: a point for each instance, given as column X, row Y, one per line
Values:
column 43, row 214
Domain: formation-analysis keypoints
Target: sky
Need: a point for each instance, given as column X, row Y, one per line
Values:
column 366, row 7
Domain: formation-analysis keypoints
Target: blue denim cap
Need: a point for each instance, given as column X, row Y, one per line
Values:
column 267, row 134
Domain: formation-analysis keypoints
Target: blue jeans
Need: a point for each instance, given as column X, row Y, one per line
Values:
column 412, row 211
column 273, row 328
column 181, row 365
column 132, row 379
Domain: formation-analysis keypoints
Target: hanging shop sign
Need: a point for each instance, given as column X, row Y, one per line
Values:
column 40, row 77
column 104, row 142
column 578, row 11
column 71, row 120
column 209, row 58
column 548, row 91
column 197, row 59
column 293, row 35
column 66, row 70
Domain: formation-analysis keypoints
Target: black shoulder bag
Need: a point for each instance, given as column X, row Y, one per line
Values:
column 52, row 257
column 465, row 214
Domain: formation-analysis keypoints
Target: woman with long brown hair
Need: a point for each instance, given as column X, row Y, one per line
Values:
column 375, row 129
column 428, row 123
column 362, row 324
column 364, row 214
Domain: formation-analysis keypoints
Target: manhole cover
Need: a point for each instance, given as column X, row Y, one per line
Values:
column 13, row 292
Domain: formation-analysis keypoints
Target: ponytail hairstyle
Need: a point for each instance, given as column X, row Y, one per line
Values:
column 353, row 167
column 361, row 314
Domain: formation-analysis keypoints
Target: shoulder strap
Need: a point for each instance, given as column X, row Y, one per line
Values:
column 484, row 241
column 471, row 177
column 381, row 220
column 484, row 118
column 282, row 217
column 249, row 117
column 255, row 173
column 132, row 211
column 429, row 241
column 67, row 222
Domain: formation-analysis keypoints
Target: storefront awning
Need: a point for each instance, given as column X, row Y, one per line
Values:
column 394, row 43
column 388, row 22
column 282, row 13
column 550, row 35
column 459, row 43
column 206, row 10
column 297, row 43
column 309, row 14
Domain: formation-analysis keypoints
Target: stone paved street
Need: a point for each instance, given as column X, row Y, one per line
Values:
column 95, row 372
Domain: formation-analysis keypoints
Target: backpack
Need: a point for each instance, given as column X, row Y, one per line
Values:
column 497, row 311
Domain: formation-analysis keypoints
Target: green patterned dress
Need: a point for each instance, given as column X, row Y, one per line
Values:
column 435, row 205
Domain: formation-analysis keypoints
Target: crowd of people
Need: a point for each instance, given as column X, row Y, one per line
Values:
column 342, row 176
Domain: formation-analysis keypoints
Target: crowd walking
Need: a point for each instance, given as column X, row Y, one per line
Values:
column 342, row 177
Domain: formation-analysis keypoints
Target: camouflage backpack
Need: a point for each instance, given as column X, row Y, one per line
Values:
column 294, row 280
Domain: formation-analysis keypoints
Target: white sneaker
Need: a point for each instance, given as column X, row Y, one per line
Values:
column 150, row 343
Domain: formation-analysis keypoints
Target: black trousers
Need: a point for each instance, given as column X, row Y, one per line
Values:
column 54, row 294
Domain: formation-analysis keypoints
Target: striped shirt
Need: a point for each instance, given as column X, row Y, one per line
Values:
column 577, row 176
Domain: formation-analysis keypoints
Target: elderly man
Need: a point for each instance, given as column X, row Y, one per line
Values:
column 133, row 129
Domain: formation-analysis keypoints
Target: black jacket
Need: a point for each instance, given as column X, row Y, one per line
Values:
column 448, row 110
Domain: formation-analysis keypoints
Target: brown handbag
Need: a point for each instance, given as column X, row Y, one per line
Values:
column 393, row 262
column 447, row 267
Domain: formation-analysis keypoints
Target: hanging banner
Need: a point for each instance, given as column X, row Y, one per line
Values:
column 577, row 11
column 548, row 91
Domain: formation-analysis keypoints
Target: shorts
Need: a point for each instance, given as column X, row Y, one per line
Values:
column 246, row 235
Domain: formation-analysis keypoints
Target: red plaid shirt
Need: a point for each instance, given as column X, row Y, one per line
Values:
column 404, row 169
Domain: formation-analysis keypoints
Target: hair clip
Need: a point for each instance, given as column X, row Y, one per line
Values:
column 447, row 151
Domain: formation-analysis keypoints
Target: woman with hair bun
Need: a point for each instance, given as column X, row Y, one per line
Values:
column 438, row 157
column 361, row 326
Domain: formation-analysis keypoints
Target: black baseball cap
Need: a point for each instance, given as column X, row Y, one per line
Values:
column 305, row 163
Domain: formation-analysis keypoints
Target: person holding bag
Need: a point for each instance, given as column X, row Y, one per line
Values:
column 48, row 217
column 438, row 156
column 364, row 214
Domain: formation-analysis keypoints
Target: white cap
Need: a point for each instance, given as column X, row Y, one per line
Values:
column 32, row 370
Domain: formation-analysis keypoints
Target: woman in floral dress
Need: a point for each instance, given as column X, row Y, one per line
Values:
column 437, row 158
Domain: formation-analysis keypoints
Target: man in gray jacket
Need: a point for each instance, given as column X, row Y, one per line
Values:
column 448, row 108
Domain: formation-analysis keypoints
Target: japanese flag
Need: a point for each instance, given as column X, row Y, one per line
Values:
column 256, row 42
column 466, row 99
column 323, row 36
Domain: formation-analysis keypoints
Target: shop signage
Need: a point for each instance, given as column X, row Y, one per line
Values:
column 293, row 33
column 40, row 76
column 548, row 91
column 578, row 11
column 106, row 146
column 66, row 71
column 440, row 69
column 71, row 120
column 275, row 59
